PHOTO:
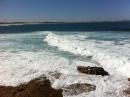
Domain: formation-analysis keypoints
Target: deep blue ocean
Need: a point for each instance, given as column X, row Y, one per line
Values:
column 94, row 26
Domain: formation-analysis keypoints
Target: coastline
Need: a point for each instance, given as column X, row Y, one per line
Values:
column 42, row 86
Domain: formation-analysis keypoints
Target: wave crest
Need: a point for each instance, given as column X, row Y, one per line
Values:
column 113, row 62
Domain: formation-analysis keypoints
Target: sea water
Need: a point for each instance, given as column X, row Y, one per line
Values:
column 25, row 56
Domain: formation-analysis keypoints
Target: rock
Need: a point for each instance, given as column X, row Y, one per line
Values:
column 92, row 70
column 127, row 92
column 76, row 89
column 128, row 79
column 35, row 88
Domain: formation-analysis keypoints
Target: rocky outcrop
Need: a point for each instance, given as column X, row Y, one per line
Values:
column 76, row 89
column 92, row 70
column 35, row 88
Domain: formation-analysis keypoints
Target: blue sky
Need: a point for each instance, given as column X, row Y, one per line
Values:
column 64, row 10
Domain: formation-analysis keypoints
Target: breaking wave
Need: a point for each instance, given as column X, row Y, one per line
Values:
column 24, row 57
column 108, row 55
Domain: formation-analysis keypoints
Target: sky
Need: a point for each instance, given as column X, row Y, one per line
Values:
column 64, row 10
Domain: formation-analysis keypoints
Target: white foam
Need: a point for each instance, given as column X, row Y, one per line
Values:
column 16, row 68
column 109, row 86
column 105, row 53
column 23, row 66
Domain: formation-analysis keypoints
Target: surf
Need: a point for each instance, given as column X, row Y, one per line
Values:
column 102, row 52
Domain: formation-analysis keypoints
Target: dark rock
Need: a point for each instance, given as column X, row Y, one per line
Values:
column 127, row 92
column 35, row 88
column 92, row 70
column 128, row 79
column 76, row 89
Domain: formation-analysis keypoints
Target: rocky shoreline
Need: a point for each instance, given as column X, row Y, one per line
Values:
column 41, row 86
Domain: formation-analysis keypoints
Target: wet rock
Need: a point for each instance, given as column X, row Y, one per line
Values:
column 35, row 88
column 55, row 74
column 76, row 89
column 92, row 70
column 127, row 92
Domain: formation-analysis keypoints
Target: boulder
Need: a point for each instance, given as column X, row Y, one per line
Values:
column 92, row 70
column 76, row 89
column 35, row 88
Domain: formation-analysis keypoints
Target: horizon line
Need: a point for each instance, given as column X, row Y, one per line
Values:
column 4, row 22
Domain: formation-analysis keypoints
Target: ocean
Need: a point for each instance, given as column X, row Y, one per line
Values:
column 28, row 51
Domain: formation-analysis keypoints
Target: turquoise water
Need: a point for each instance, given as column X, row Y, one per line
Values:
column 33, row 41
column 112, row 42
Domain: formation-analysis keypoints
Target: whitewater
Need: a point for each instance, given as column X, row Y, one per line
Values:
column 26, row 56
